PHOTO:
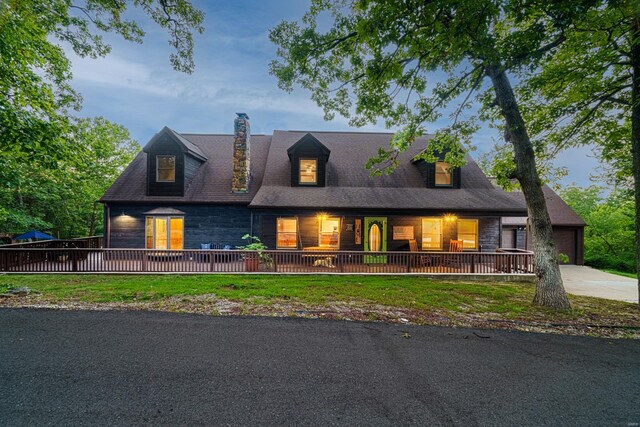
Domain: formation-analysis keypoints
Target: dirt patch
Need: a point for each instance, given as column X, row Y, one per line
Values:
column 613, row 326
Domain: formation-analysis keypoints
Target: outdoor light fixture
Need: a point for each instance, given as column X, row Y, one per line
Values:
column 450, row 217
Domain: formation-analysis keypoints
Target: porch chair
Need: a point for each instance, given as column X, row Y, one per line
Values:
column 454, row 260
column 419, row 261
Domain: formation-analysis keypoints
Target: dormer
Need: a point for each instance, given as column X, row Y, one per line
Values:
column 439, row 174
column 172, row 162
column 308, row 159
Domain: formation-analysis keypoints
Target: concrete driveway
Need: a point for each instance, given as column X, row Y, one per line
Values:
column 583, row 280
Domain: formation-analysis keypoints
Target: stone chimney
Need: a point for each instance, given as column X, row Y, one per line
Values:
column 241, row 154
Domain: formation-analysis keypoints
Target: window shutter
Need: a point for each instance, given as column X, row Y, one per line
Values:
column 457, row 177
column 431, row 175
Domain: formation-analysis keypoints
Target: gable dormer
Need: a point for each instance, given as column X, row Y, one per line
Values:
column 172, row 162
column 439, row 174
column 308, row 158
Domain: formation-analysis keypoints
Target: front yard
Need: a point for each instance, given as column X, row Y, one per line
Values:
column 403, row 299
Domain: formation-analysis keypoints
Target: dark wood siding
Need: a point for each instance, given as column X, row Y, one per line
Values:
column 308, row 150
column 166, row 147
column 488, row 230
column 191, row 165
column 202, row 224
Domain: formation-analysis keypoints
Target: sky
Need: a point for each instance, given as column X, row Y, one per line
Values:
column 135, row 85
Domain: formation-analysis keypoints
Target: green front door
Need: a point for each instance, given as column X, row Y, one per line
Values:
column 375, row 239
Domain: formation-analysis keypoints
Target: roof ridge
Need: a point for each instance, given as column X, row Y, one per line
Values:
column 333, row 131
column 219, row 134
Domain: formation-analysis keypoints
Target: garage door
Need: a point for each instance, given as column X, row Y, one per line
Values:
column 565, row 239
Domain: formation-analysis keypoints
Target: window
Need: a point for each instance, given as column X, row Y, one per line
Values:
column 468, row 233
column 163, row 232
column 329, row 232
column 308, row 171
column 444, row 175
column 165, row 168
column 432, row 233
column 287, row 231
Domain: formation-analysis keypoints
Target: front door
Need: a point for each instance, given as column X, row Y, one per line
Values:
column 375, row 239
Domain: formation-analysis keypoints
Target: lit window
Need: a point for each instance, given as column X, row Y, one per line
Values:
column 444, row 177
column 308, row 171
column 468, row 233
column 287, row 233
column 163, row 232
column 165, row 168
column 431, row 233
column 329, row 232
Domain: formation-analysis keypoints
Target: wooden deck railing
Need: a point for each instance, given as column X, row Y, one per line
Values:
column 93, row 260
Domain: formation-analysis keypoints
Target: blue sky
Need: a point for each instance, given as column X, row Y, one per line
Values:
column 136, row 86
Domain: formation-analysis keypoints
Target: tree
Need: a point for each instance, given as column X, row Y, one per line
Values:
column 377, row 56
column 608, row 240
column 62, row 199
column 35, row 95
column 589, row 93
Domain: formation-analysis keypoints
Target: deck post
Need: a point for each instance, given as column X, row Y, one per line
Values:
column 473, row 263
column 74, row 260
column 144, row 261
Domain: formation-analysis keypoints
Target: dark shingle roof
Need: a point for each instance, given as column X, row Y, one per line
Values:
column 560, row 213
column 350, row 185
column 212, row 182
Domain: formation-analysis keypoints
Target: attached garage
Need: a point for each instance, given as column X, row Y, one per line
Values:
column 568, row 229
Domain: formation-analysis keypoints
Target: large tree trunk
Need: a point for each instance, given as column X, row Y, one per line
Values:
column 635, row 132
column 549, row 288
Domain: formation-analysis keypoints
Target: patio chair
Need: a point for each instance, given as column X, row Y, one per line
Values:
column 425, row 260
column 451, row 260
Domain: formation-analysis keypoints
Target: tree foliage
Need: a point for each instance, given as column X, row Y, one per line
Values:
column 61, row 200
column 35, row 94
column 609, row 237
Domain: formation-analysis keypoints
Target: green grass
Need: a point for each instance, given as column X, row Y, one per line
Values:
column 508, row 300
column 394, row 291
column 621, row 273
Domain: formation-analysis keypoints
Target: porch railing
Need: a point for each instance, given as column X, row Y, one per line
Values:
column 95, row 260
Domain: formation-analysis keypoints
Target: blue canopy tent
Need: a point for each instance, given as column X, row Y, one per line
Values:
column 34, row 234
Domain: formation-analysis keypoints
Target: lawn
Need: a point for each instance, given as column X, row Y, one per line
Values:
column 621, row 273
column 390, row 298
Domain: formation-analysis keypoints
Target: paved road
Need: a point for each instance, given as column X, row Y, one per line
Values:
column 583, row 280
column 123, row 368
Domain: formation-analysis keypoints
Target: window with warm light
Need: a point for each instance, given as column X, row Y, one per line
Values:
column 165, row 168
column 444, row 175
column 308, row 171
column 163, row 232
column 468, row 233
column 287, row 231
column 329, row 232
column 432, row 234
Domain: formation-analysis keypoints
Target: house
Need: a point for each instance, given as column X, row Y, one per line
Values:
column 299, row 190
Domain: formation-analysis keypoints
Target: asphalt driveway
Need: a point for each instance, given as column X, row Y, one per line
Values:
column 583, row 280
column 130, row 368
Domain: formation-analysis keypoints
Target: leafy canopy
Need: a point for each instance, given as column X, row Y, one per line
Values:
column 377, row 59
column 35, row 95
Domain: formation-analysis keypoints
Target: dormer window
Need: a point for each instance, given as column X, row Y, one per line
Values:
column 308, row 159
column 444, row 175
column 165, row 168
column 308, row 172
